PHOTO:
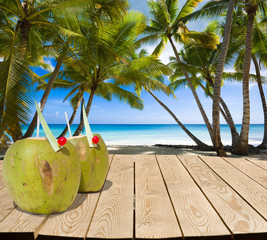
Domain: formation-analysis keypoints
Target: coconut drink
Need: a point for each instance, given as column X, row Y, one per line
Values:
column 94, row 162
column 41, row 176
column 93, row 155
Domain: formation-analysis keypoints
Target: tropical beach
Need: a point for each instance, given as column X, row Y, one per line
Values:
column 148, row 72
column 133, row 119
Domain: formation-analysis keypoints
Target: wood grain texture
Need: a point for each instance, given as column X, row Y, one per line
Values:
column 19, row 221
column 237, row 214
column 113, row 216
column 250, row 190
column 2, row 184
column 6, row 204
column 75, row 221
column 155, row 217
column 196, row 216
column 255, row 172
column 260, row 163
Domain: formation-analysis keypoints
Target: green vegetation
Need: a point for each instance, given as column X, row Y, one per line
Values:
column 97, row 47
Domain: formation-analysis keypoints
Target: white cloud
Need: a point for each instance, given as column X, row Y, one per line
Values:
column 49, row 62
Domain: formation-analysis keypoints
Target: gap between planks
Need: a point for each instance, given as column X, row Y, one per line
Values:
column 194, row 212
column 260, row 163
column 236, row 213
column 113, row 218
column 250, row 169
column 252, row 192
column 155, row 217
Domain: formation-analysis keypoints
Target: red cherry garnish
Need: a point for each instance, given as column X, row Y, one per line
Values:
column 62, row 141
column 95, row 139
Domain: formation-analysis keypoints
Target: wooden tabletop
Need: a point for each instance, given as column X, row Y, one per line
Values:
column 157, row 197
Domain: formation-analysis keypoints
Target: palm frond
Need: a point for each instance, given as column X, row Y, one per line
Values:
column 210, row 9
column 123, row 95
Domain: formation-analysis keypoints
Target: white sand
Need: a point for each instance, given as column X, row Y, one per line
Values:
column 175, row 151
column 163, row 150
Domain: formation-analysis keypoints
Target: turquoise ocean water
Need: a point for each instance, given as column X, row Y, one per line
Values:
column 145, row 134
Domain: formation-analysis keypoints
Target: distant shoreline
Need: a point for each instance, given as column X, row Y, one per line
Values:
column 160, row 149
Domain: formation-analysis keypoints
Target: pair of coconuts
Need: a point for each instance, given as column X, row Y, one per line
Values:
column 43, row 181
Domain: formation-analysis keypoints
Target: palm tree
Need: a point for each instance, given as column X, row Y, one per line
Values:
column 218, row 81
column 242, row 144
column 112, row 9
column 104, row 52
column 30, row 17
column 215, row 8
column 152, row 79
column 80, row 83
column 201, row 64
column 167, row 24
column 259, row 56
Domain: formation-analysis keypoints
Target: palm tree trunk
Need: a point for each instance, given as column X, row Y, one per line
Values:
column 227, row 116
column 25, row 27
column 218, row 81
column 202, row 111
column 242, row 144
column 230, row 122
column 45, row 95
column 87, row 110
column 263, row 100
column 72, row 117
column 200, row 144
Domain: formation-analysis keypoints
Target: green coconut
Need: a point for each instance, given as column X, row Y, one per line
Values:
column 94, row 163
column 39, row 179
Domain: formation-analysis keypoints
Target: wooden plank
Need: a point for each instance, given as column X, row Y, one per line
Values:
column 196, row 216
column 253, row 171
column 1, row 178
column 113, row 216
column 236, row 213
column 20, row 224
column 6, row 204
column 75, row 221
column 2, row 185
column 260, row 163
column 155, row 216
column 251, row 191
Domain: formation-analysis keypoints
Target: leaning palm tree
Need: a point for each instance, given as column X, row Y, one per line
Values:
column 29, row 17
column 151, row 71
column 251, row 7
column 167, row 24
column 25, row 16
column 92, row 14
column 201, row 64
column 80, row 82
column 104, row 52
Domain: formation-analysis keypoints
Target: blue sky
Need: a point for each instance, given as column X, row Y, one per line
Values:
column 185, row 108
